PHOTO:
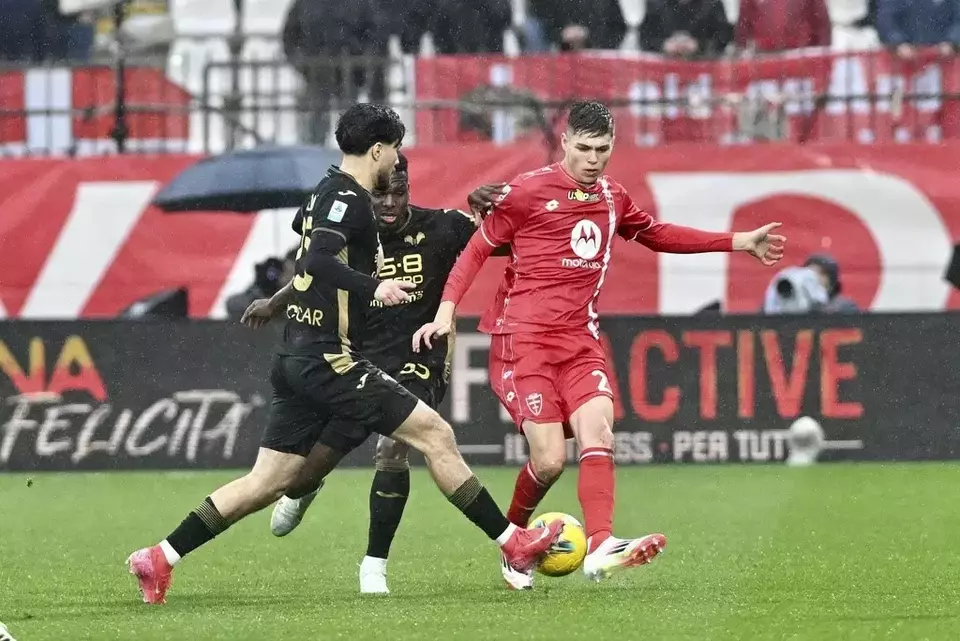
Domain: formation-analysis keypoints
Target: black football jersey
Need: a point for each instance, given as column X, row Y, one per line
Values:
column 322, row 318
column 422, row 252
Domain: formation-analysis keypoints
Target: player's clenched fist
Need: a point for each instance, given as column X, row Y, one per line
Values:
column 393, row 292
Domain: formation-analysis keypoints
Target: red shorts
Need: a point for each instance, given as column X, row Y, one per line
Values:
column 545, row 377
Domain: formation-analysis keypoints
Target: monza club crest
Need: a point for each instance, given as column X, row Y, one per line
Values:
column 535, row 403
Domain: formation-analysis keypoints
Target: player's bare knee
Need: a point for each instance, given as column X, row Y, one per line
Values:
column 266, row 487
column 548, row 468
column 436, row 438
column 443, row 440
column 595, row 432
column 605, row 435
column 392, row 455
column 596, row 436
column 273, row 474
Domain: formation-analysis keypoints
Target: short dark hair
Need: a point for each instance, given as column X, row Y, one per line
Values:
column 591, row 118
column 364, row 125
column 401, row 164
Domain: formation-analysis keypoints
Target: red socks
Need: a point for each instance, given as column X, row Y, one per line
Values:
column 527, row 494
column 595, row 487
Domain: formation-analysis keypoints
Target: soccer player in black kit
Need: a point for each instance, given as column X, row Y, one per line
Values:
column 420, row 246
column 324, row 390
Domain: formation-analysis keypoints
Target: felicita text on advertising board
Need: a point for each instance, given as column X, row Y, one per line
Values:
column 60, row 407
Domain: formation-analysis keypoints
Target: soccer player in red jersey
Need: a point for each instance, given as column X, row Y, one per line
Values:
column 547, row 366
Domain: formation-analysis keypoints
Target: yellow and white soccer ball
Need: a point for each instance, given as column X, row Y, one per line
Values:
column 569, row 551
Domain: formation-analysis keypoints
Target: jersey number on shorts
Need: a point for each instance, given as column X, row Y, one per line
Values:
column 417, row 369
column 301, row 282
column 603, row 385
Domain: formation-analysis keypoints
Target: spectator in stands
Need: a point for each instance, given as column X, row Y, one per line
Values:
column 36, row 31
column 572, row 25
column 409, row 20
column 686, row 28
column 780, row 25
column 468, row 26
column 318, row 31
column 65, row 37
column 906, row 24
column 19, row 30
column 828, row 271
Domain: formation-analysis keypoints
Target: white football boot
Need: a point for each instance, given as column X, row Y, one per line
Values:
column 288, row 513
column 373, row 576
column 515, row 579
column 616, row 554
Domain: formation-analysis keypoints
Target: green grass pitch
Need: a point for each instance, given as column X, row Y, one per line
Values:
column 830, row 552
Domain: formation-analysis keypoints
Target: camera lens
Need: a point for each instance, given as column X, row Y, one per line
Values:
column 785, row 288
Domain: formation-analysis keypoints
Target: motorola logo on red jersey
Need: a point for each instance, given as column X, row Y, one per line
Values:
column 585, row 241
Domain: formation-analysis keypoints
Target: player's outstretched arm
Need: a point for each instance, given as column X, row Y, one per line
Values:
column 639, row 226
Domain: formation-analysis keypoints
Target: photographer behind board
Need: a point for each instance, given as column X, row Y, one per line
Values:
column 828, row 271
column 813, row 288
column 269, row 276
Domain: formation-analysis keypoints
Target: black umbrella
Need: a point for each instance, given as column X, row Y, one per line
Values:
column 249, row 180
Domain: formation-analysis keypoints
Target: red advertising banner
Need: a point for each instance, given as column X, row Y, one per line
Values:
column 801, row 97
column 78, row 238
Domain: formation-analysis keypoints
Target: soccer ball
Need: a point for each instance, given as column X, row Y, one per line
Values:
column 569, row 551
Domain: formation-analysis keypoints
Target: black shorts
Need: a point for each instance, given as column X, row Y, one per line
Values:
column 314, row 404
column 427, row 385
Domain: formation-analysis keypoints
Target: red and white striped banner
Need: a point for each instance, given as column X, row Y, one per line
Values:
column 60, row 111
column 79, row 239
column 813, row 96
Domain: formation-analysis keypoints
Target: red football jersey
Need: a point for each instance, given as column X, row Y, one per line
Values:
column 561, row 236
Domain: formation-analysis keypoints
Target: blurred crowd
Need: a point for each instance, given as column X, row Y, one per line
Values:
column 36, row 30
column 40, row 31
column 680, row 28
